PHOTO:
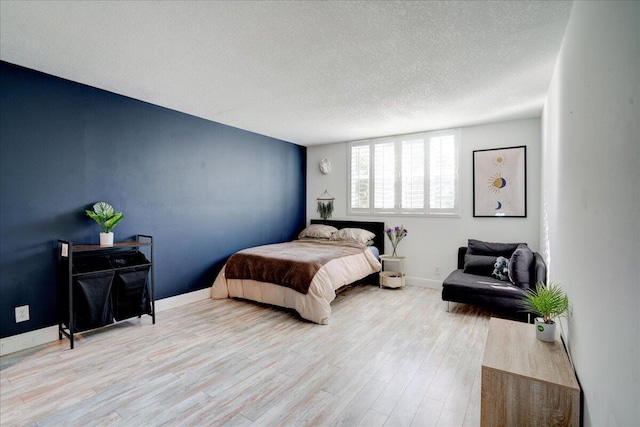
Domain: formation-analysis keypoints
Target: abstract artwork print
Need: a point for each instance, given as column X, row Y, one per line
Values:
column 500, row 182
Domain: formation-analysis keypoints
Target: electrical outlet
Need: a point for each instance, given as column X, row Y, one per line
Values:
column 436, row 270
column 22, row 313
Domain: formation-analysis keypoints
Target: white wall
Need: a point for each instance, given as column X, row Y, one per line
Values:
column 591, row 194
column 434, row 241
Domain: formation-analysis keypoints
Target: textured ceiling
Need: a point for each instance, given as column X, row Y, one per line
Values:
column 305, row 72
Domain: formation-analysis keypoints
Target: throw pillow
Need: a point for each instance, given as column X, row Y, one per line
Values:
column 353, row 234
column 519, row 266
column 479, row 264
column 478, row 247
column 317, row 231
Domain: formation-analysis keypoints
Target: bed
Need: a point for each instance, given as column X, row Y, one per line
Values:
column 324, row 262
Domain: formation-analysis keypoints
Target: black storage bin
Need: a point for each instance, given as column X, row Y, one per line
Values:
column 92, row 305
column 128, row 259
column 86, row 263
column 91, row 299
column 130, row 293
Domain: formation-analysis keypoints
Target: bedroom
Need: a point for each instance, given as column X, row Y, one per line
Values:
column 54, row 163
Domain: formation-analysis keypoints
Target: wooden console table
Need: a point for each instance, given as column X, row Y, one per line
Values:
column 525, row 381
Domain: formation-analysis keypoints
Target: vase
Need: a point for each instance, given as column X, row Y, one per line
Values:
column 545, row 331
column 106, row 239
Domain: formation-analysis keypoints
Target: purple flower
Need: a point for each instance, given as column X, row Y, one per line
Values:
column 395, row 235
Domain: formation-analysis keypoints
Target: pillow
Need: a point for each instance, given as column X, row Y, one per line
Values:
column 478, row 247
column 479, row 264
column 318, row 231
column 519, row 265
column 353, row 234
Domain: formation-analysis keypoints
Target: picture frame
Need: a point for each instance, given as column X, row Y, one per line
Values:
column 500, row 182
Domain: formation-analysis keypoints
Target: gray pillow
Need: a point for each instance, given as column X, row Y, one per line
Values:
column 479, row 264
column 353, row 234
column 317, row 231
column 519, row 266
column 478, row 247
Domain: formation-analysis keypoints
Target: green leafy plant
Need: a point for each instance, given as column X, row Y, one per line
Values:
column 106, row 217
column 325, row 209
column 547, row 301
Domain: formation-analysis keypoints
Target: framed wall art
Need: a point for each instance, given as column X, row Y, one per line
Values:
column 500, row 182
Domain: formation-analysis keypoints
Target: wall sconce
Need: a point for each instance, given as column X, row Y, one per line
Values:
column 325, row 205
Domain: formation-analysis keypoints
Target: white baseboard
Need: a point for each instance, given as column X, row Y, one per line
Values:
column 28, row 339
column 49, row 334
column 183, row 299
column 424, row 283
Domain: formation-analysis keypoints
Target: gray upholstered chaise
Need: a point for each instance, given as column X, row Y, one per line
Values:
column 477, row 286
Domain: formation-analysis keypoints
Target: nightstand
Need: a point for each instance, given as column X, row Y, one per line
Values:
column 392, row 279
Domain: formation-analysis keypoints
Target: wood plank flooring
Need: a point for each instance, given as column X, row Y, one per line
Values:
column 387, row 358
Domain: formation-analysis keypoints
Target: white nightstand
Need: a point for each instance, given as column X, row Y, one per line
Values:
column 392, row 279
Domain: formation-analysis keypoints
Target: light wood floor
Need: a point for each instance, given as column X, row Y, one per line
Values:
column 388, row 357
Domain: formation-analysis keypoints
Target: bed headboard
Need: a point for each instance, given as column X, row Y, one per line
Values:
column 376, row 228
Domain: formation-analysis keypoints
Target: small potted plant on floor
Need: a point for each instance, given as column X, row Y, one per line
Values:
column 549, row 302
column 107, row 218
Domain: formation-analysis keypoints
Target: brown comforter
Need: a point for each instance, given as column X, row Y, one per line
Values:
column 291, row 264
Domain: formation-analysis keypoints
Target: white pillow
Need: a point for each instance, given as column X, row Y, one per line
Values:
column 317, row 231
column 353, row 234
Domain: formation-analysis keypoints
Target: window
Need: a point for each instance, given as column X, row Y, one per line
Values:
column 359, row 177
column 406, row 174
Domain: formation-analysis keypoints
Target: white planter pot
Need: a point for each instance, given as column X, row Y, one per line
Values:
column 106, row 239
column 545, row 331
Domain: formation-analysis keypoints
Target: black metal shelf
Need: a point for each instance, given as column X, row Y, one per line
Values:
column 68, row 274
column 118, row 245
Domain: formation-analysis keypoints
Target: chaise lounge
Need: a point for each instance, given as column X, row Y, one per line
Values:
column 474, row 281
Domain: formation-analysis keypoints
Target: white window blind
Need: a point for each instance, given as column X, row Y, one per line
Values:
column 413, row 175
column 384, row 177
column 359, row 177
column 407, row 174
column 442, row 172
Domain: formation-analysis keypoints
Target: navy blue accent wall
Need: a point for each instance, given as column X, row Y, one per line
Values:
column 202, row 189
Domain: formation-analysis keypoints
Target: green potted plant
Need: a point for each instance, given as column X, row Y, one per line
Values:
column 325, row 205
column 548, row 302
column 107, row 218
